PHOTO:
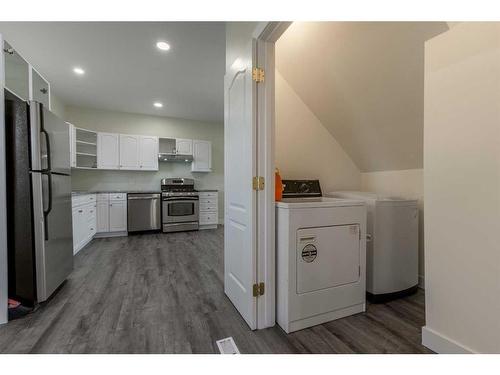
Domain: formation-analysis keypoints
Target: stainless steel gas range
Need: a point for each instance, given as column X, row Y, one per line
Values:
column 180, row 205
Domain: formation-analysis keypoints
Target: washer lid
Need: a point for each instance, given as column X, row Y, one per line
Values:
column 291, row 203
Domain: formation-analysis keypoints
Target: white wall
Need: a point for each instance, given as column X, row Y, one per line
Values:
column 3, row 203
column 462, row 189
column 57, row 106
column 408, row 183
column 236, row 34
column 304, row 147
column 128, row 123
column 364, row 81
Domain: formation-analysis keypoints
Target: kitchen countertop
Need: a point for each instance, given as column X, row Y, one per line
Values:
column 80, row 192
column 83, row 192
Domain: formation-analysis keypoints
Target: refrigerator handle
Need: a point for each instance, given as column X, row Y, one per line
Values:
column 46, row 211
column 47, row 139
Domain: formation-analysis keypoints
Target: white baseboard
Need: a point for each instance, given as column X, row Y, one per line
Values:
column 421, row 282
column 111, row 234
column 442, row 344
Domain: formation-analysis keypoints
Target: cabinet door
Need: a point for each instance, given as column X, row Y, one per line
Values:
column 118, row 216
column 40, row 89
column 184, row 146
column 76, row 231
column 102, row 216
column 16, row 73
column 129, row 151
column 72, row 145
column 148, row 153
column 202, row 156
column 91, row 221
column 108, row 151
column 80, row 228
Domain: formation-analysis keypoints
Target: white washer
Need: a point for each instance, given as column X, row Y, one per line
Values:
column 392, row 248
column 321, row 260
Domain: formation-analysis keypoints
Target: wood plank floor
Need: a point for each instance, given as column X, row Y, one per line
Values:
column 163, row 293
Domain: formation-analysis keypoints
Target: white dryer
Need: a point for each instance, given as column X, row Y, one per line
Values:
column 392, row 247
column 321, row 256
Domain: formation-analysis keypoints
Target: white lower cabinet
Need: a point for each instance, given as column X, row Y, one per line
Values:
column 117, row 216
column 111, row 214
column 84, row 220
column 102, row 216
column 209, row 213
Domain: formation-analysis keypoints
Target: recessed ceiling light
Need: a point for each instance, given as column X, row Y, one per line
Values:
column 79, row 71
column 158, row 104
column 164, row 46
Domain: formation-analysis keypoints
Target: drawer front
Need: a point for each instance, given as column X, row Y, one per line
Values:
column 208, row 201
column 90, row 198
column 91, row 211
column 80, row 200
column 212, row 207
column 76, row 201
column 117, row 196
column 206, row 195
column 102, row 197
column 208, row 218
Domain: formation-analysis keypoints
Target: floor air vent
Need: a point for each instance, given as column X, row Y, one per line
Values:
column 227, row 346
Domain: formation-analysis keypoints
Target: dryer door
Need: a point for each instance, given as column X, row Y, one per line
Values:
column 327, row 257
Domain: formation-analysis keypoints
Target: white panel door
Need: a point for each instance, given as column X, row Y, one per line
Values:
column 108, row 151
column 148, row 153
column 240, row 269
column 117, row 216
column 102, row 216
column 202, row 156
column 184, row 146
column 129, row 151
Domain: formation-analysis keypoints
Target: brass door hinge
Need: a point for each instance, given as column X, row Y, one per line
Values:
column 258, row 289
column 258, row 183
column 258, row 75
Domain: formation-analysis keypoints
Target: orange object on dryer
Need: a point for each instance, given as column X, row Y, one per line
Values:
column 278, row 186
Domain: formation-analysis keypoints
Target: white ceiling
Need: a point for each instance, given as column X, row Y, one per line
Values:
column 124, row 71
column 365, row 82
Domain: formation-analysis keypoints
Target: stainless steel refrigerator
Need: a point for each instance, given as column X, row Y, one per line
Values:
column 40, row 245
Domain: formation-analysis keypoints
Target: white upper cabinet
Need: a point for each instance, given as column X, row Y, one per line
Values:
column 16, row 72
column 148, row 153
column 129, row 151
column 72, row 145
column 108, row 151
column 184, row 146
column 202, row 156
column 40, row 89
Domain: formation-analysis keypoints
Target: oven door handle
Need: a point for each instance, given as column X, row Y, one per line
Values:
column 179, row 199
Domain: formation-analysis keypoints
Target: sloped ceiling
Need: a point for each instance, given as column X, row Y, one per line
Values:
column 365, row 83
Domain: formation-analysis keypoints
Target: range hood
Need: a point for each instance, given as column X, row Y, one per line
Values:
column 163, row 156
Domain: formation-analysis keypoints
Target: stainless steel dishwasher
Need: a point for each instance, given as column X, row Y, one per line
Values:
column 144, row 212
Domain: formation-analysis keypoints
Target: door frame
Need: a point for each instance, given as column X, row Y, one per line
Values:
column 3, row 198
column 266, row 34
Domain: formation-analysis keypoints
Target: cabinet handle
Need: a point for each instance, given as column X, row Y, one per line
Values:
column 110, row 204
column 80, row 211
